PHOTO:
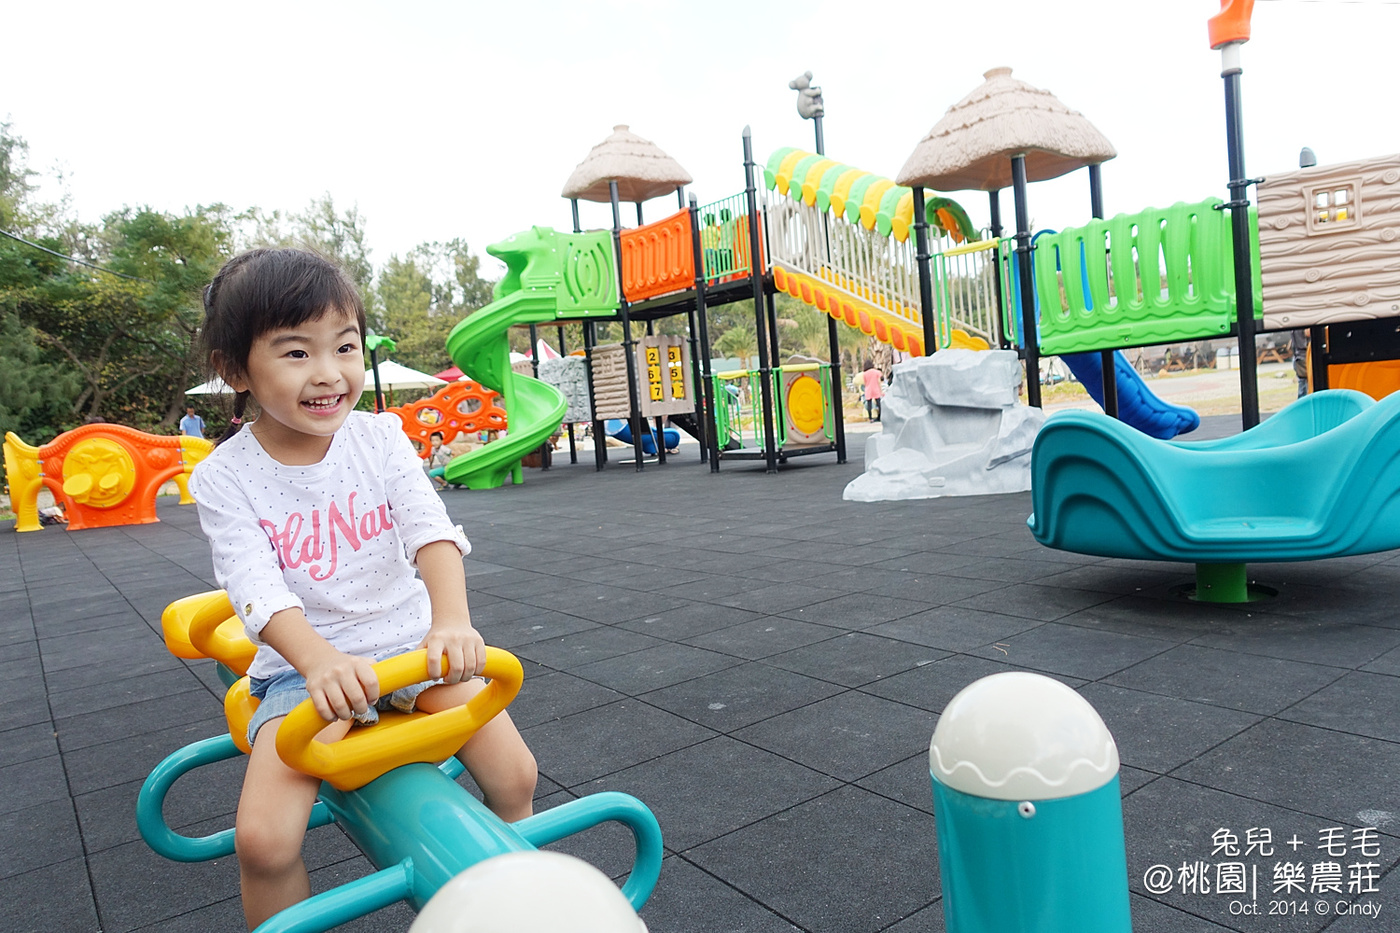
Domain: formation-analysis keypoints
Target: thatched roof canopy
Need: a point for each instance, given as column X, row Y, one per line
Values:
column 972, row 146
column 642, row 171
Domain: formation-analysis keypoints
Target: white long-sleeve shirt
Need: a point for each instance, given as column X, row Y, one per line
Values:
column 337, row 539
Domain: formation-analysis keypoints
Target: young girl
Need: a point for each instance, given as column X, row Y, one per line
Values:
column 318, row 516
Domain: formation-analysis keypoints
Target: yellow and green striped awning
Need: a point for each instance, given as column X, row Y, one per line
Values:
column 861, row 197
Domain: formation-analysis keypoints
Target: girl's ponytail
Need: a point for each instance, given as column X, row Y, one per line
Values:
column 240, row 402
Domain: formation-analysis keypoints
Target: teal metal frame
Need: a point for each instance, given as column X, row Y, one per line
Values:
column 416, row 823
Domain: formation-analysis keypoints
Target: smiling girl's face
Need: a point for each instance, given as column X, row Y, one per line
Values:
column 306, row 379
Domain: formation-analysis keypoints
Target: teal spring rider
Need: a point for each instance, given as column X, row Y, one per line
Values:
column 391, row 787
column 1319, row 479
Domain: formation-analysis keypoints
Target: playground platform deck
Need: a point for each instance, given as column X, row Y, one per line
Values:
column 761, row 663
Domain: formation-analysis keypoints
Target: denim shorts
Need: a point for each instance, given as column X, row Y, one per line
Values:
column 281, row 693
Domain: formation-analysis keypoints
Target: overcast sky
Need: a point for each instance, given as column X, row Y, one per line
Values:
column 463, row 119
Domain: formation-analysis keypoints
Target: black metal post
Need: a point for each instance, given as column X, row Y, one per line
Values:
column 573, row 444
column 1108, row 359
column 705, row 389
column 833, row 338
column 1317, row 344
column 774, row 344
column 692, row 323
column 544, row 448
column 838, row 408
column 1239, row 229
column 765, row 374
column 680, row 196
column 628, row 344
column 639, row 213
column 1030, row 341
column 660, row 422
column 775, row 354
column 994, row 198
column 600, row 447
column 922, row 257
column 378, row 392
column 590, row 340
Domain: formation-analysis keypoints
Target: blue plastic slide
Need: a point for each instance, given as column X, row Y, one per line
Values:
column 620, row 429
column 1138, row 406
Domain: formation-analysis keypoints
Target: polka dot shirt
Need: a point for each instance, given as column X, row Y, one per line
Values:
column 336, row 539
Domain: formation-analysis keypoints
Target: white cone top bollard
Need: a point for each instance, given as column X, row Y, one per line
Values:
column 1021, row 736
column 529, row 892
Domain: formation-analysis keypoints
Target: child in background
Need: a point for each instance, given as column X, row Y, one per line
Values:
column 438, row 460
column 318, row 516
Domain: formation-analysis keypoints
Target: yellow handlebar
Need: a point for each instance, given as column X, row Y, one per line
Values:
column 205, row 626
column 217, row 633
column 364, row 755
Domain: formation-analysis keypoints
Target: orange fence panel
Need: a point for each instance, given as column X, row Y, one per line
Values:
column 657, row 258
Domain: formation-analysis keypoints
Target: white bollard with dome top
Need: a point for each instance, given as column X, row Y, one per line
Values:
column 1026, row 801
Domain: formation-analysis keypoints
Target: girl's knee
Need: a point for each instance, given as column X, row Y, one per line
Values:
column 510, row 791
column 267, row 846
column 525, row 775
column 510, row 783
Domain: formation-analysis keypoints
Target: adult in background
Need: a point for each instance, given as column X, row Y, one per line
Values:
column 874, row 390
column 1298, row 343
column 192, row 425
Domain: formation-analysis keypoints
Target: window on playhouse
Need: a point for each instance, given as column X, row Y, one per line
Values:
column 1334, row 207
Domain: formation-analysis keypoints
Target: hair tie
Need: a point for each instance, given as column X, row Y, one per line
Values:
column 235, row 421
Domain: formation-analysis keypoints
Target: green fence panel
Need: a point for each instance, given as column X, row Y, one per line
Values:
column 1158, row 276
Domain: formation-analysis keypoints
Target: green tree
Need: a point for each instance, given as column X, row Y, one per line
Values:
column 178, row 256
column 739, row 341
column 339, row 235
column 129, row 338
column 37, row 388
column 14, row 176
column 421, row 297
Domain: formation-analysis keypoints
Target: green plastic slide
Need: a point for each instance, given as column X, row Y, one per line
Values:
column 549, row 276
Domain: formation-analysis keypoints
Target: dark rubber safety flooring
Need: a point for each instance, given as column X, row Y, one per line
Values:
column 761, row 663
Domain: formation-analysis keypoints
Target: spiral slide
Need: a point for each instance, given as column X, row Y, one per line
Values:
column 549, row 276
column 1138, row 406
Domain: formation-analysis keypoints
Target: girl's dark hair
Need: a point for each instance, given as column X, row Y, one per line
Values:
column 269, row 289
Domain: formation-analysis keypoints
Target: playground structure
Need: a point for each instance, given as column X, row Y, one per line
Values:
column 1327, row 240
column 458, row 408
column 799, row 390
column 103, row 474
column 1316, row 481
column 391, row 786
column 550, row 276
column 841, row 243
column 853, row 257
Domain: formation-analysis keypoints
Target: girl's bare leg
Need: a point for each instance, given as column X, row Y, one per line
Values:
column 272, row 813
column 496, row 757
